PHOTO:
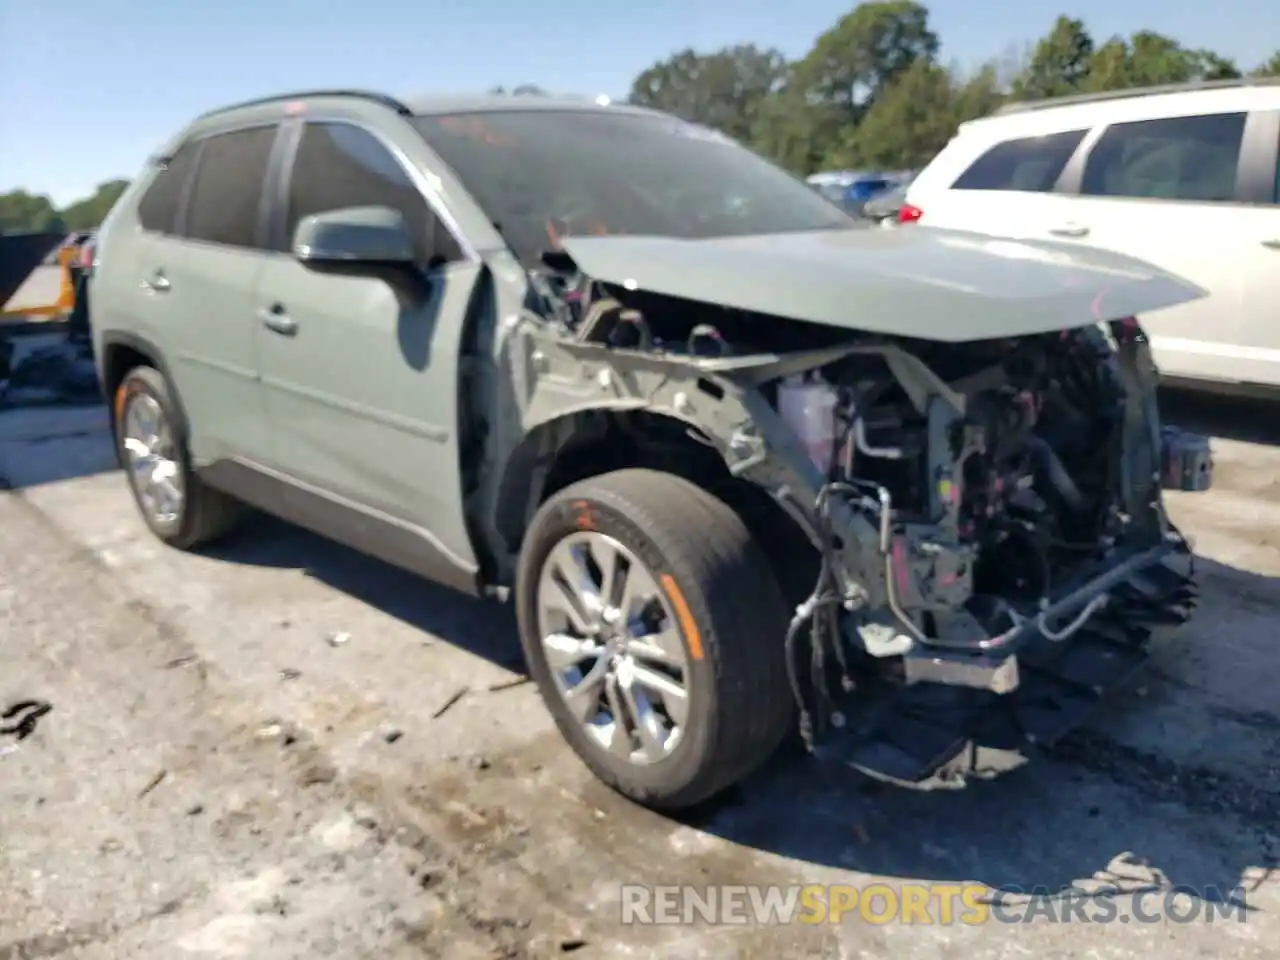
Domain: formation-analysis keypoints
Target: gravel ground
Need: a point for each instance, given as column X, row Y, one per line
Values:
column 281, row 749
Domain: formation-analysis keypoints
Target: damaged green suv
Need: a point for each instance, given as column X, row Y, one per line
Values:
column 744, row 466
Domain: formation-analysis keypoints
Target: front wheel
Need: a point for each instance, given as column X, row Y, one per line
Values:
column 654, row 629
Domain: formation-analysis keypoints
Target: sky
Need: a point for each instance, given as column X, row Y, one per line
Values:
column 89, row 89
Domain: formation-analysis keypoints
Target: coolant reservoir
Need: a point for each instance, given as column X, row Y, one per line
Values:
column 808, row 407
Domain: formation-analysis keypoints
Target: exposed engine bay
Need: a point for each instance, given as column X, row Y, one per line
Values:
column 979, row 509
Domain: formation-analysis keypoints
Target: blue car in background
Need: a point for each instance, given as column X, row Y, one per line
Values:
column 850, row 188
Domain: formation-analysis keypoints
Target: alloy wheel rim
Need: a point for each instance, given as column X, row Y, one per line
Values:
column 614, row 647
column 153, row 466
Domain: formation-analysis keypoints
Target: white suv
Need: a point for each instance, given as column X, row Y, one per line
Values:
column 1184, row 178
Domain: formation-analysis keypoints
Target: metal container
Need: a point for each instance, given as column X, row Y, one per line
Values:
column 1186, row 460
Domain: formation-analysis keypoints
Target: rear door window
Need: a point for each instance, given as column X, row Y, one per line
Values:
column 158, row 208
column 1029, row 164
column 1178, row 158
column 226, row 198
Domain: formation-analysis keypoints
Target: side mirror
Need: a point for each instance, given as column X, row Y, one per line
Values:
column 372, row 238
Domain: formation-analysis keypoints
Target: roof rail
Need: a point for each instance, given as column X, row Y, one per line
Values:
column 1025, row 106
column 381, row 98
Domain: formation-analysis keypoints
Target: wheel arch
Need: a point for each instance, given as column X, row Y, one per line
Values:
column 122, row 352
column 578, row 445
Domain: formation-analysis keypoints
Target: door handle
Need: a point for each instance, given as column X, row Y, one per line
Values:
column 158, row 283
column 1272, row 244
column 277, row 321
column 1070, row 230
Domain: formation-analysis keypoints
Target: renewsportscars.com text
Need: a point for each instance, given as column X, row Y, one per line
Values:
column 924, row 903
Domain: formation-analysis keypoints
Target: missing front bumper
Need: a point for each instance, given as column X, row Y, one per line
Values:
column 953, row 706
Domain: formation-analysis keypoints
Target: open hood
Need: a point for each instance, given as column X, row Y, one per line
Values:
column 916, row 281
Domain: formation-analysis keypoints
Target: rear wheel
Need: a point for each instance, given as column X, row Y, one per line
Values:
column 175, row 503
column 654, row 627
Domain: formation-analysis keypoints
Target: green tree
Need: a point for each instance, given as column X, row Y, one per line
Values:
column 866, row 49
column 917, row 114
column 1268, row 68
column 723, row 89
column 979, row 94
column 20, row 210
column 795, row 132
column 854, row 62
column 1109, row 67
column 1059, row 63
column 89, row 213
column 1149, row 59
column 1211, row 66
column 910, row 121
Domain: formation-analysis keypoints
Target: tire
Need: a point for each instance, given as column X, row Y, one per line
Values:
column 721, row 599
column 204, row 514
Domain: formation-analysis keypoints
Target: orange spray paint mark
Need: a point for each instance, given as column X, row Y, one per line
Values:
column 122, row 394
column 586, row 518
column 691, row 635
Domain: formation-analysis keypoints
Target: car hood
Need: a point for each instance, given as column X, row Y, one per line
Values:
column 922, row 282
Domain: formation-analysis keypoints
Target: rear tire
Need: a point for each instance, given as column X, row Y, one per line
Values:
column 716, row 607
column 151, row 443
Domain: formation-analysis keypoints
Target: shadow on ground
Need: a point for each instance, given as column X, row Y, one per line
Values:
column 55, row 442
column 483, row 627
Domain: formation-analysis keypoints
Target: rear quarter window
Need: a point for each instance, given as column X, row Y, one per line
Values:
column 1177, row 158
column 158, row 208
column 1028, row 164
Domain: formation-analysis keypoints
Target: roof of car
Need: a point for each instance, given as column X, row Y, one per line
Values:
column 432, row 104
column 1130, row 93
column 1138, row 103
column 437, row 103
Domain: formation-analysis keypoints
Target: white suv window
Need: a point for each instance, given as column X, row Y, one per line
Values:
column 1030, row 164
column 1179, row 158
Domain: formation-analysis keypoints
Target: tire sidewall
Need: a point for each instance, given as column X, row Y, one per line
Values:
column 151, row 383
column 559, row 518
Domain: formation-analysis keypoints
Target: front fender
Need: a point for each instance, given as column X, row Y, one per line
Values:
column 566, row 386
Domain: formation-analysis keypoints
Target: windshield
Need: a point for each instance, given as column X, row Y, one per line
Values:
column 545, row 174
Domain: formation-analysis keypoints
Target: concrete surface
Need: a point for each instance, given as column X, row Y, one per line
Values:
column 221, row 777
column 40, row 289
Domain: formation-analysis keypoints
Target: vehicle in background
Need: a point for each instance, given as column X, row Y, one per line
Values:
column 744, row 466
column 1183, row 177
column 78, row 321
column 72, row 241
column 883, row 208
column 850, row 189
column 45, row 288
column 21, row 253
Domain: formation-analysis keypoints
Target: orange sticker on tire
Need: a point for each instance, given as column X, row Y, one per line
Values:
column 687, row 624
